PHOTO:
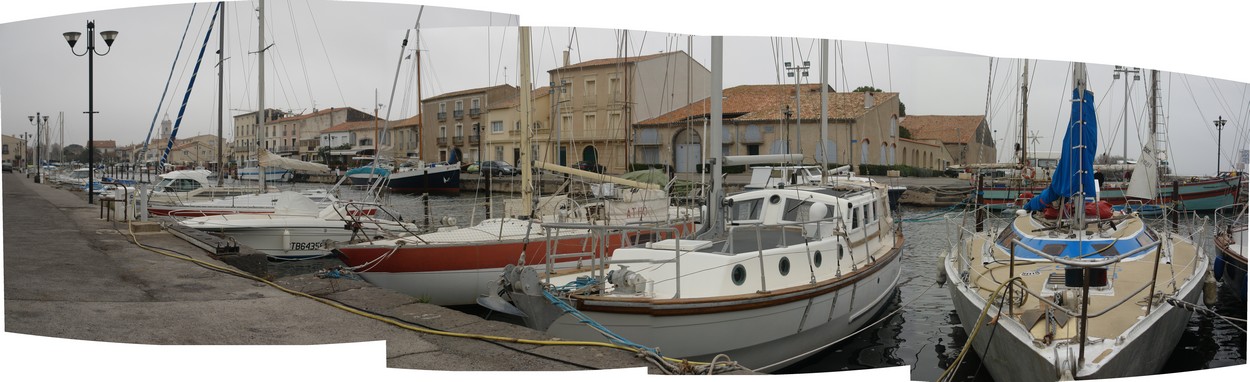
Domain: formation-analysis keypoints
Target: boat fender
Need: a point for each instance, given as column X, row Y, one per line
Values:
column 1210, row 290
column 1029, row 173
column 941, row 273
column 1219, row 267
column 286, row 239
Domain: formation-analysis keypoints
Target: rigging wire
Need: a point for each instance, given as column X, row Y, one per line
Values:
column 316, row 28
column 299, row 48
column 872, row 81
column 160, row 105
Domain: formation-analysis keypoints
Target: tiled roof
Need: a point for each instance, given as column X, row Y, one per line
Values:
column 945, row 128
column 105, row 144
column 612, row 61
column 465, row 92
column 516, row 101
column 768, row 102
column 309, row 115
column 406, row 122
column 352, row 126
column 918, row 142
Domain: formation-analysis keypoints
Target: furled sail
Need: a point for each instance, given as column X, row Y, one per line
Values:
column 1075, row 173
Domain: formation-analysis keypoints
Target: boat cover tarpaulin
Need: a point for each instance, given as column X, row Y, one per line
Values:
column 268, row 159
column 1076, row 164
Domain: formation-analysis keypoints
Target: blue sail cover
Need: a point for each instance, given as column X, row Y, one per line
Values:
column 1076, row 164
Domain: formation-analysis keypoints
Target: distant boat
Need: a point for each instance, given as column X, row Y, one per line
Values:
column 440, row 178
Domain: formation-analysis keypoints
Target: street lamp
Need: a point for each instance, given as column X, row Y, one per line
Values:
column 1219, row 128
column 39, row 121
column 1136, row 77
column 72, row 38
column 798, row 72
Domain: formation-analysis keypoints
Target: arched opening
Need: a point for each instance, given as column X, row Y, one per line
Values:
column 687, row 150
column 590, row 155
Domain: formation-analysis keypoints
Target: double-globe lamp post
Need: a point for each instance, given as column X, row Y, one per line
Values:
column 40, row 121
column 72, row 38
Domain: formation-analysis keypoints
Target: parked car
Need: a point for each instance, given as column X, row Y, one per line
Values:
column 497, row 167
column 8, row 166
column 587, row 166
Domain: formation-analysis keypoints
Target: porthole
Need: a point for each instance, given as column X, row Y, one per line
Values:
column 739, row 274
column 774, row 199
column 816, row 259
column 784, row 266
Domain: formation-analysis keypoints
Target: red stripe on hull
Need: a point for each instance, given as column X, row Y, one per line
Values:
column 468, row 256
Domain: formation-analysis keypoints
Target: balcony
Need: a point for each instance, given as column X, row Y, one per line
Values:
column 474, row 139
column 459, row 114
column 287, row 149
column 442, row 116
column 442, row 141
column 474, row 112
column 457, row 140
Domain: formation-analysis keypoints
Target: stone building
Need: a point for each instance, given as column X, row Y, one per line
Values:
column 967, row 138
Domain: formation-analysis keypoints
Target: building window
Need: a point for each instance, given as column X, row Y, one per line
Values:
column 590, row 123
column 459, row 130
column 496, row 126
column 590, row 88
column 442, row 131
column 894, row 126
column 498, row 152
column 863, row 152
column 459, row 105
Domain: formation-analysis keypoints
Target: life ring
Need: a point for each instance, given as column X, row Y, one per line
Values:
column 1029, row 173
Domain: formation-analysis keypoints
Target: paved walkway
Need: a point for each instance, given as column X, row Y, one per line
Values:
column 69, row 274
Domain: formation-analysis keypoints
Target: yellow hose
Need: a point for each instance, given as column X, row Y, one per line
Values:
column 949, row 372
column 396, row 322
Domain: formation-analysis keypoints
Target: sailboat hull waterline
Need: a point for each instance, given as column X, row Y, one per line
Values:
column 1139, row 344
column 764, row 331
column 458, row 272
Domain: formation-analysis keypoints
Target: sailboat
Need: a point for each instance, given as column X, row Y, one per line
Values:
column 454, row 266
column 776, row 275
column 418, row 176
column 1191, row 194
column 1230, row 240
column 1072, row 293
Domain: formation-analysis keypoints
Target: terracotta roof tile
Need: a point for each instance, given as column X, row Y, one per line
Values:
column 768, row 102
column 945, row 128
column 465, row 92
column 353, row 126
column 105, row 144
column 612, row 61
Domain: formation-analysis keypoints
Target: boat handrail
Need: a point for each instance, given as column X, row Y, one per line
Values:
column 598, row 234
column 1084, row 264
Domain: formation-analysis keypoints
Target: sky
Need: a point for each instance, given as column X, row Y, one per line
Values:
column 935, row 54
column 334, row 54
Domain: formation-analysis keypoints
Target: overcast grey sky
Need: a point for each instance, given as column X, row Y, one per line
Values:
column 345, row 53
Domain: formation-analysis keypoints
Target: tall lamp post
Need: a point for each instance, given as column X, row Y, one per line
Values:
column 39, row 121
column 72, row 38
column 1219, row 140
column 798, row 72
column 1136, row 77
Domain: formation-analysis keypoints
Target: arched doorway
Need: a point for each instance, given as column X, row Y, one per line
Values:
column 687, row 150
column 590, row 155
column 456, row 156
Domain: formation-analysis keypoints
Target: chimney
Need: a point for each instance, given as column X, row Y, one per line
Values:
column 868, row 100
column 566, row 58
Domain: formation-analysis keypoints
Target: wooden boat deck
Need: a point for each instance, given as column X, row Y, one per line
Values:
column 1125, row 279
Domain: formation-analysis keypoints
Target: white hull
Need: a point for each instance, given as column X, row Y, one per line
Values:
column 1013, row 355
column 271, row 174
column 287, row 242
column 764, row 339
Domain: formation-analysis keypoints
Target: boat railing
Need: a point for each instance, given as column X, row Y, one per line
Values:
column 358, row 215
column 1231, row 222
column 599, row 240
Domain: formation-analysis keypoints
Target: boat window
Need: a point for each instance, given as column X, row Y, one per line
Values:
column 784, row 266
column 738, row 275
column 1054, row 249
column 817, row 259
column 746, row 210
column 1108, row 252
column 797, row 211
column 855, row 218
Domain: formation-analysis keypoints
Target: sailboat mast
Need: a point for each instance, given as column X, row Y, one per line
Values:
column 715, row 221
column 420, row 109
column 527, row 176
column 260, row 80
column 1080, row 79
column 221, row 67
column 1024, row 116
column 824, row 111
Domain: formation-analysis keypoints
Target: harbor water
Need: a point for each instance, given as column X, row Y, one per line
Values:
column 918, row 330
